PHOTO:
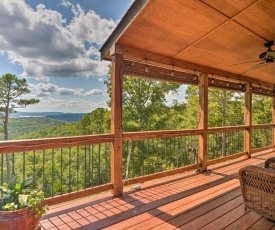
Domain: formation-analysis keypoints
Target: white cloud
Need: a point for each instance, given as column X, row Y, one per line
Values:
column 66, row 3
column 94, row 92
column 42, row 42
column 71, row 106
column 89, row 26
column 41, row 90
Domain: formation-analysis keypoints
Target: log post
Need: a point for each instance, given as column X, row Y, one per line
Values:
column 273, row 121
column 248, row 120
column 116, row 123
column 203, row 120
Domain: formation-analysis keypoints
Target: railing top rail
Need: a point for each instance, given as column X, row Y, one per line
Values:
column 160, row 134
column 62, row 142
column 50, row 143
column 227, row 129
column 259, row 126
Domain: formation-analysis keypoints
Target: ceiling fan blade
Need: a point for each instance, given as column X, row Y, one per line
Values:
column 244, row 62
column 270, row 54
column 259, row 65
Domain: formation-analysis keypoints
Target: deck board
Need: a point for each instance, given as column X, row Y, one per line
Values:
column 185, row 201
column 262, row 224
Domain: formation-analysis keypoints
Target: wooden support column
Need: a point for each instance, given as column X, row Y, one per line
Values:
column 203, row 120
column 273, row 120
column 116, row 124
column 248, row 120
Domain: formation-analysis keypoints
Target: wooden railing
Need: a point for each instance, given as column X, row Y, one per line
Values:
column 66, row 168
column 156, row 154
column 73, row 167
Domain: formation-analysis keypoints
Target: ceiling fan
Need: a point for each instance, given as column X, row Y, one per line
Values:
column 265, row 58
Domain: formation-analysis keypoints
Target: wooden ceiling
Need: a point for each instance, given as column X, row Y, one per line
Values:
column 205, row 33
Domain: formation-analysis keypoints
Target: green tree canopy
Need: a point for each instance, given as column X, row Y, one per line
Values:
column 144, row 103
column 261, row 109
column 96, row 122
column 12, row 90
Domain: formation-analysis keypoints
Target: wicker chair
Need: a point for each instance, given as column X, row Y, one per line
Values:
column 270, row 163
column 258, row 188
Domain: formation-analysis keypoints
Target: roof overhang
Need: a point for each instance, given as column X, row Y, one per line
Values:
column 203, row 35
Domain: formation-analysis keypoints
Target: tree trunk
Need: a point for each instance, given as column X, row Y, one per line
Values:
column 6, row 133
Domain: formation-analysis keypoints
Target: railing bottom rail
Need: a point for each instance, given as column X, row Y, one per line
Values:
column 78, row 194
column 161, row 174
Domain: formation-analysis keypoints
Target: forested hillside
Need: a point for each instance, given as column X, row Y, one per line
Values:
column 23, row 126
column 69, row 117
column 96, row 122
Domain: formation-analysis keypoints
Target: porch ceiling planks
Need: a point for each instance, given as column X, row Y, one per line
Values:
column 214, row 34
column 167, row 27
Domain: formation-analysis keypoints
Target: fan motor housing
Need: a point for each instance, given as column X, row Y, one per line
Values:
column 262, row 56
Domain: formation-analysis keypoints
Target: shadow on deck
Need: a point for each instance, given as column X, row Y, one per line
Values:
column 185, row 201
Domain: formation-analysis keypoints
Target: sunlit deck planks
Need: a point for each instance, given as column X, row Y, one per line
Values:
column 186, row 201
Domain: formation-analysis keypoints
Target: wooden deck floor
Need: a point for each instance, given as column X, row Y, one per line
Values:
column 186, row 201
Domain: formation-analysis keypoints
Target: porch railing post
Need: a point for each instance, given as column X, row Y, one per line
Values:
column 203, row 119
column 116, row 124
column 248, row 120
column 273, row 121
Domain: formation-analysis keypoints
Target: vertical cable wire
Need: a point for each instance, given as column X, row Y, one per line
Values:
column 170, row 150
column 34, row 177
column 99, row 164
column 138, row 155
column 89, row 166
column 2, row 170
column 157, row 159
column 70, row 165
column 133, row 159
column 85, row 166
column 52, row 171
column 106, row 164
column 165, row 155
column 92, row 177
column 176, row 153
column 143, row 158
column 77, row 169
column 13, row 164
column 180, row 151
column 147, row 151
column 24, row 166
column 43, row 171
column 61, row 170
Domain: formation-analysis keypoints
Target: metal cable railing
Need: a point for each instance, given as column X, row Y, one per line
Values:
column 225, row 143
column 61, row 170
column 158, row 155
column 262, row 137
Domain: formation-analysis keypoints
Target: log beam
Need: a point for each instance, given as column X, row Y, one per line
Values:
column 154, row 59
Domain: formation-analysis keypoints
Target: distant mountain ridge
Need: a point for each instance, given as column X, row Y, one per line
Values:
column 69, row 117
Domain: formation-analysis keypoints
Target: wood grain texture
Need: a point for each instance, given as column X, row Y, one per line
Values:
column 51, row 143
column 248, row 120
column 116, row 124
column 203, row 119
column 209, row 36
column 184, row 201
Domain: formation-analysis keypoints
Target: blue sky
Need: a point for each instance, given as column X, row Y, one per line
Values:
column 54, row 45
